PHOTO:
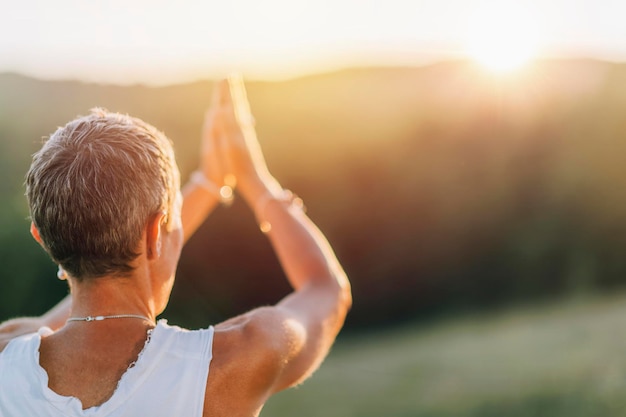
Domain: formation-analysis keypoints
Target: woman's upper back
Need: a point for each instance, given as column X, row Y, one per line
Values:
column 169, row 378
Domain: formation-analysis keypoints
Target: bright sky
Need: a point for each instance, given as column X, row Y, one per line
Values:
column 161, row 41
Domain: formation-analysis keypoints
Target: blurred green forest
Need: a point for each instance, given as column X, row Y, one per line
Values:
column 442, row 188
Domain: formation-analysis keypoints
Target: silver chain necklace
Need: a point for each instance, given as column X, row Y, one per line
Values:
column 116, row 316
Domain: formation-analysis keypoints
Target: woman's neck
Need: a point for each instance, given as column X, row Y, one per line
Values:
column 108, row 296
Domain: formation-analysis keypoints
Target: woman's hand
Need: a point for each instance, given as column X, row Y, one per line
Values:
column 226, row 156
column 212, row 159
column 238, row 144
column 229, row 145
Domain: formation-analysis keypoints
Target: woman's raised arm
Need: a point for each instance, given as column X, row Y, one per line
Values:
column 300, row 329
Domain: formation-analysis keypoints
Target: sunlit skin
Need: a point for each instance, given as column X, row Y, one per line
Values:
column 502, row 37
column 254, row 355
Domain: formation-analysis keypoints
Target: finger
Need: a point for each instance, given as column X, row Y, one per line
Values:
column 228, row 176
column 240, row 101
column 225, row 112
column 209, row 127
column 223, row 93
column 214, row 147
column 223, row 143
column 209, row 121
column 216, row 95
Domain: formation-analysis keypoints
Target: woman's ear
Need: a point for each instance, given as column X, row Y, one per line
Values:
column 153, row 235
column 35, row 233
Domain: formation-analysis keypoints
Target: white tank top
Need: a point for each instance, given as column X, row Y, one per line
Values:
column 168, row 379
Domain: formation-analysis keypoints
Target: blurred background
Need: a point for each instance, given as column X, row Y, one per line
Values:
column 464, row 158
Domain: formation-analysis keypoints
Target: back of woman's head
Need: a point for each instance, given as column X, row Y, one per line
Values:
column 93, row 187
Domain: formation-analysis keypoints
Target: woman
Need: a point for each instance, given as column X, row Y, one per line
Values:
column 105, row 204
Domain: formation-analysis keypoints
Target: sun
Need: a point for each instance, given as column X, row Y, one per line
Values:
column 502, row 36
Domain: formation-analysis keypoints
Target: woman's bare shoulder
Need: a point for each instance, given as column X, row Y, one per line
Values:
column 244, row 365
column 251, row 338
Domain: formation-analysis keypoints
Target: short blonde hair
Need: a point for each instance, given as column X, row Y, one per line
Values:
column 94, row 185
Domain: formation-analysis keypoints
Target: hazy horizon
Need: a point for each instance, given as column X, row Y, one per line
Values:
column 158, row 42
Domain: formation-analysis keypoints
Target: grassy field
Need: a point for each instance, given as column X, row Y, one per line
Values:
column 566, row 359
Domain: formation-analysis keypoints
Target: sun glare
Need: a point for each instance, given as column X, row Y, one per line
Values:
column 502, row 37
